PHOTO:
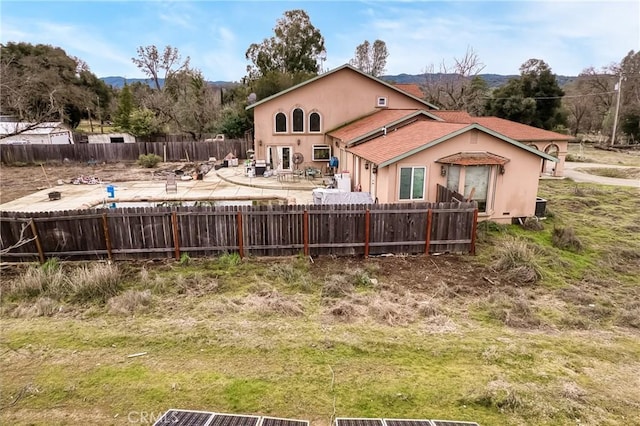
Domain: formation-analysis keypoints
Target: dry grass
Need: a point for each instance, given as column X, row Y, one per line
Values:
column 130, row 302
column 34, row 282
column 513, row 311
column 97, row 282
column 566, row 239
column 517, row 260
column 41, row 307
column 274, row 303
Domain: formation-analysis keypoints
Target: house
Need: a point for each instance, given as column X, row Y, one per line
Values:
column 398, row 147
column 48, row 133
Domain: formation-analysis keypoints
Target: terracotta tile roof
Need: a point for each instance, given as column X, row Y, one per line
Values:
column 518, row 131
column 473, row 159
column 454, row 116
column 369, row 123
column 403, row 140
column 412, row 89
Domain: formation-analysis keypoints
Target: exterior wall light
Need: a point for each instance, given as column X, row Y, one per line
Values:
column 501, row 169
column 366, row 165
column 260, row 142
column 374, row 169
column 443, row 171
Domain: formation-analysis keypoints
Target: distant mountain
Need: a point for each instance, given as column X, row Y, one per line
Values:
column 492, row 80
column 118, row 82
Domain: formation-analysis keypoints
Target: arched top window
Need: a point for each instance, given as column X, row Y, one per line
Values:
column 281, row 122
column 314, row 122
column 298, row 120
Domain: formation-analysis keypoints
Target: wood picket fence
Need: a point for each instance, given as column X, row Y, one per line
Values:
column 114, row 152
column 269, row 230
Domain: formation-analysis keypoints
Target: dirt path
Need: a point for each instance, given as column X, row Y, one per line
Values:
column 570, row 171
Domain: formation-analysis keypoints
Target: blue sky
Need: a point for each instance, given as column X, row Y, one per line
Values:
column 568, row 35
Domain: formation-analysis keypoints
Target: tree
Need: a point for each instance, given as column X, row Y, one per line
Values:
column 42, row 83
column 142, row 123
column 630, row 95
column 158, row 66
column 296, row 47
column 589, row 100
column 370, row 59
column 534, row 98
column 125, row 108
column 457, row 86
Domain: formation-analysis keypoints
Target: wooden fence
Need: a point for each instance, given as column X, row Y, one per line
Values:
column 445, row 195
column 273, row 230
column 114, row 152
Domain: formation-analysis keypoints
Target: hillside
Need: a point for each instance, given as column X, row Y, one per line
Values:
column 493, row 80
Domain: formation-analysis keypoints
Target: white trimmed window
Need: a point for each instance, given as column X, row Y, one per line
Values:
column 412, row 181
column 321, row 152
column 281, row 122
column 298, row 120
column 314, row 122
column 381, row 102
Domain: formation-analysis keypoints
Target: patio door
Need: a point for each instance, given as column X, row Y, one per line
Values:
column 279, row 157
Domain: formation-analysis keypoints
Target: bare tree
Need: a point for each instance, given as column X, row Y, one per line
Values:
column 157, row 65
column 456, row 86
column 20, row 241
column 371, row 59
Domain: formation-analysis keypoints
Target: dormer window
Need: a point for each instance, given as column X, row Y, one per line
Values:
column 381, row 102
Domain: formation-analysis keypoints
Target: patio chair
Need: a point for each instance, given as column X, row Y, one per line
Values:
column 171, row 185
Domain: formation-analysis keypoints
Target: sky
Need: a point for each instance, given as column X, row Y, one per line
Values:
column 568, row 35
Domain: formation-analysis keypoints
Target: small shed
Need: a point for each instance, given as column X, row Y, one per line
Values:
column 22, row 133
column 111, row 138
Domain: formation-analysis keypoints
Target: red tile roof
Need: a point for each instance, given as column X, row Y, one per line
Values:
column 412, row 89
column 454, row 116
column 370, row 123
column 518, row 131
column 403, row 140
column 473, row 159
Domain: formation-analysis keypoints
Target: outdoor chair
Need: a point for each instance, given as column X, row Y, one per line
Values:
column 171, row 185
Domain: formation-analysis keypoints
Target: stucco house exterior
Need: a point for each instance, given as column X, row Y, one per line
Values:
column 48, row 133
column 400, row 148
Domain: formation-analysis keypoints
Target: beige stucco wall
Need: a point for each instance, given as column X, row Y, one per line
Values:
column 549, row 167
column 514, row 192
column 339, row 98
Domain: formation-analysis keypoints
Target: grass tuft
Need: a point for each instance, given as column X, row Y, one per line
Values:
column 517, row 259
column 41, row 307
column 566, row 239
column 130, row 302
column 97, row 282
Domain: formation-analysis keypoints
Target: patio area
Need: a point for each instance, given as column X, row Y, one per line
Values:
column 225, row 184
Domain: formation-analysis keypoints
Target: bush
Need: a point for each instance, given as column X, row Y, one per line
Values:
column 566, row 239
column 517, row 259
column 98, row 282
column 149, row 160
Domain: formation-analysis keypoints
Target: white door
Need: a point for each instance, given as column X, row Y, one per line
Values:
column 280, row 157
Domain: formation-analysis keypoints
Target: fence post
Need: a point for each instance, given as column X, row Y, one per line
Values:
column 474, row 228
column 176, row 234
column 427, row 243
column 34, row 230
column 305, row 231
column 107, row 238
column 367, row 219
column 240, row 238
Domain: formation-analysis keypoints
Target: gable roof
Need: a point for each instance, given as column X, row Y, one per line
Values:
column 411, row 88
column 333, row 71
column 371, row 123
column 421, row 135
column 512, row 129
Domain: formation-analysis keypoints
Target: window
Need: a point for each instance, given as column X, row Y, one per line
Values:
column 116, row 139
column 453, row 178
column 314, row 122
column 321, row 152
column 381, row 102
column 298, row 120
column 477, row 181
column 412, row 183
column 281, row 123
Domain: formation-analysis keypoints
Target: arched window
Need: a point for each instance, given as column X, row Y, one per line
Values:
column 314, row 122
column 281, row 122
column 298, row 120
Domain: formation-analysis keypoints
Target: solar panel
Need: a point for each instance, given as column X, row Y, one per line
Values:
column 233, row 420
column 403, row 422
column 452, row 423
column 184, row 418
column 274, row 421
column 358, row 422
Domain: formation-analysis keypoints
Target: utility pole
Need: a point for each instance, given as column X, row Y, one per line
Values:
column 615, row 119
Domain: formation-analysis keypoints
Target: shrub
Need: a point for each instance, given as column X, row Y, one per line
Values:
column 36, row 281
column 517, row 260
column 566, row 239
column 532, row 224
column 149, row 160
column 336, row 285
column 185, row 259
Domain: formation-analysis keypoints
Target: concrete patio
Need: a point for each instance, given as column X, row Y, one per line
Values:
column 218, row 185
